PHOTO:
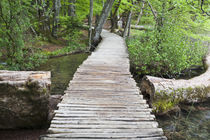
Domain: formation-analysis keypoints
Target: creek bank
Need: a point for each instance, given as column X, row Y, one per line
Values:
column 24, row 99
column 67, row 53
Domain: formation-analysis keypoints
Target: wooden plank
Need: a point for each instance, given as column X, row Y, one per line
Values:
column 104, row 83
column 101, row 112
column 151, row 138
column 109, row 119
column 103, row 102
column 102, row 122
column 106, row 109
column 149, row 130
column 98, row 88
column 131, row 106
column 89, row 126
column 103, row 93
column 98, row 96
column 102, row 116
column 102, row 135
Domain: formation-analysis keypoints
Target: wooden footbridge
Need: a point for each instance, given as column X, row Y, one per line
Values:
column 103, row 102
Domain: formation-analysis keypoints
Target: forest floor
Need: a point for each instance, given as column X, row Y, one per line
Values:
column 21, row 134
column 60, row 43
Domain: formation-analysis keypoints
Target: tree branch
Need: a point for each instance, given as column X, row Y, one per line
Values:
column 202, row 3
column 153, row 11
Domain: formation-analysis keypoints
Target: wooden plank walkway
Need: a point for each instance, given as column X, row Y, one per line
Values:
column 103, row 102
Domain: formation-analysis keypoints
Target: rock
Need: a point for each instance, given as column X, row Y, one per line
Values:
column 24, row 99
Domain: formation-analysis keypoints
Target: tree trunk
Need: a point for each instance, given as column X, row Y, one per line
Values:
column 127, row 23
column 71, row 8
column 98, row 28
column 129, row 28
column 141, row 13
column 56, row 9
column 90, row 22
column 153, row 11
column 196, row 89
column 46, row 18
column 114, row 18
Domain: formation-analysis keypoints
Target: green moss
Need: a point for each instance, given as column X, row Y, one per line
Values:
column 164, row 101
column 161, row 106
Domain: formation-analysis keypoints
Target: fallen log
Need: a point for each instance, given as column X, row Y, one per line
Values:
column 194, row 90
column 24, row 99
column 141, row 27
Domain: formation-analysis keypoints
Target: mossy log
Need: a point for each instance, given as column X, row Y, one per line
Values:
column 24, row 99
column 196, row 89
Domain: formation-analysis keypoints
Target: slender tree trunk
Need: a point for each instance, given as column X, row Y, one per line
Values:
column 141, row 13
column 42, row 8
column 98, row 28
column 153, row 11
column 46, row 19
column 48, row 15
column 114, row 18
column 97, row 15
column 127, row 23
column 39, row 11
column 129, row 27
column 56, row 10
column 90, row 22
column 71, row 8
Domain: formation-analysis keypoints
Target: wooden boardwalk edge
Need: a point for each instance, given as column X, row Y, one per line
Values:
column 102, row 101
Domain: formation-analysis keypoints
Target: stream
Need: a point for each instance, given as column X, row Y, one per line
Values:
column 62, row 70
column 183, row 126
column 191, row 125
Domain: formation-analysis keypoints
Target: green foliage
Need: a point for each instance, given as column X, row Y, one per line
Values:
column 173, row 54
column 169, row 48
column 70, row 28
column 2, row 67
column 14, row 23
column 82, row 8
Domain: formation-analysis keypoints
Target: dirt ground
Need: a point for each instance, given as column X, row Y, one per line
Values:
column 21, row 134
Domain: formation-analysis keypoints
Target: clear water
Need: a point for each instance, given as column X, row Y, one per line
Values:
column 183, row 126
column 62, row 70
column 193, row 125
